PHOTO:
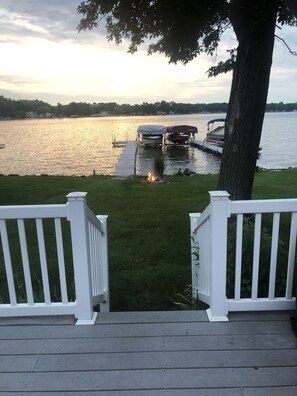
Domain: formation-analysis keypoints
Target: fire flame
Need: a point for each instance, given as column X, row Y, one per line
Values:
column 151, row 178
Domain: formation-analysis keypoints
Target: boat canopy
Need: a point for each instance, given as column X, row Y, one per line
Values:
column 182, row 129
column 151, row 130
column 216, row 120
column 210, row 124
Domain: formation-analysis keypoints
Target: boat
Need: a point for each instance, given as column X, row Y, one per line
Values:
column 151, row 135
column 180, row 134
column 215, row 133
column 2, row 145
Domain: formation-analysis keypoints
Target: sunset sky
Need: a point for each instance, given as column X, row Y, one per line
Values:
column 44, row 57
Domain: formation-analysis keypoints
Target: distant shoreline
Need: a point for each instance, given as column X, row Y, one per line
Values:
column 118, row 115
column 11, row 109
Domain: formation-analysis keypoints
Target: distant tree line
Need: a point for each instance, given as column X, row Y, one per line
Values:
column 10, row 108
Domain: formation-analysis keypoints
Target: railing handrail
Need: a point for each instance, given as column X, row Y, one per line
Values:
column 202, row 217
column 263, row 206
column 94, row 220
column 33, row 212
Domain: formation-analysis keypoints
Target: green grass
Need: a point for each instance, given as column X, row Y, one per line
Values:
column 149, row 238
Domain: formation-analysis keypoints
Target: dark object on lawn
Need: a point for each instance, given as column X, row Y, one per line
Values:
column 186, row 172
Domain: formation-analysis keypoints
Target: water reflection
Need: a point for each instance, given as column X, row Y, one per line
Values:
column 177, row 158
column 79, row 146
column 145, row 159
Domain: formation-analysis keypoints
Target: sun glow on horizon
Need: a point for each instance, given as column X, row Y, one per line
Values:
column 33, row 65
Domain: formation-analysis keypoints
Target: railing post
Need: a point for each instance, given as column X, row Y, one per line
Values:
column 194, row 253
column 220, row 211
column 104, row 307
column 77, row 215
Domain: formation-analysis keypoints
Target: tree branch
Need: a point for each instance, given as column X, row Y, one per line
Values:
column 286, row 45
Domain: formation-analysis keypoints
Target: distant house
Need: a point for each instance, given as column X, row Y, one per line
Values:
column 101, row 114
column 31, row 114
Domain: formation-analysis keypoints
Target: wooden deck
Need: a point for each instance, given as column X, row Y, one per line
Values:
column 150, row 354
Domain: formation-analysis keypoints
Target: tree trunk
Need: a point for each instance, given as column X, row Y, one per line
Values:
column 254, row 23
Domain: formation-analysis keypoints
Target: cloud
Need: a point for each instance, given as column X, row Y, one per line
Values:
column 44, row 56
column 55, row 20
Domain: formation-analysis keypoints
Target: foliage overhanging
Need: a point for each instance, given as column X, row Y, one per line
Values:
column 179, row 29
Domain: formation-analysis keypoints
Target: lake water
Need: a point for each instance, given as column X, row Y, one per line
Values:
column 80, row 146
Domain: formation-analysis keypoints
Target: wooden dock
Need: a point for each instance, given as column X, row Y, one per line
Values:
column 150, row 354
column 210, row 148
column 119, row 143
column 126, row 162
column 218, row 150
column 267, row 166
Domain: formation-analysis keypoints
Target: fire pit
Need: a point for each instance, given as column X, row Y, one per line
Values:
column 151, row 179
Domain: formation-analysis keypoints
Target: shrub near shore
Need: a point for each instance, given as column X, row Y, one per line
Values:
column 149, row 237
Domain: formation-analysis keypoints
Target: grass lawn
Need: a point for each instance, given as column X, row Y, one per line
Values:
column 149, row 238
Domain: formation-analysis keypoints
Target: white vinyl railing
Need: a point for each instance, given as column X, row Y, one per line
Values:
column 32, row 249
column 99, row 254
column 200, row 233
column 213, row 267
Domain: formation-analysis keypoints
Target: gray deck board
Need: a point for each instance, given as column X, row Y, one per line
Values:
column 152, row 317
column 154, row 392
column 162, row 360
column 82, row 345
column 150, row 354
column 269, row 391
column 150, row 379
column 231, row 342
column 146, row 329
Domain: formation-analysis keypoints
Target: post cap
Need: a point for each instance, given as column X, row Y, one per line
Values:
column 76, row 196
column 216, row 195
